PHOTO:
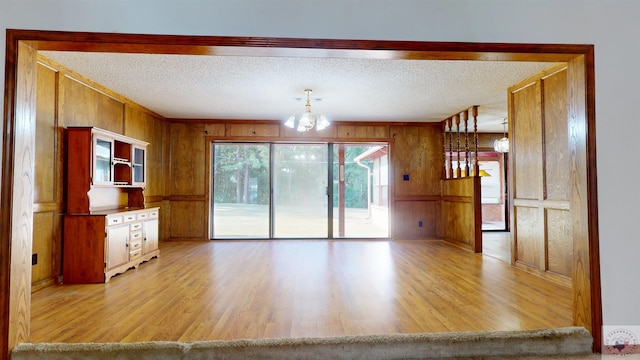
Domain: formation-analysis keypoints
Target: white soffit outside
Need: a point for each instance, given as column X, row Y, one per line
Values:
column 272, row 88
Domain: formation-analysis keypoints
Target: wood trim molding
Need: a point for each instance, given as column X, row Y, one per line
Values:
column 14, row 230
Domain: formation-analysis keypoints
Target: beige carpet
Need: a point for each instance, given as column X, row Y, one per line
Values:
column 564, row 343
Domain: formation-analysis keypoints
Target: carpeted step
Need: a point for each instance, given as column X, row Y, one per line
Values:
column 551, row 344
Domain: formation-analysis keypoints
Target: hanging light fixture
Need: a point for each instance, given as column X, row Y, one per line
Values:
column 502, row 145
column 307, row 120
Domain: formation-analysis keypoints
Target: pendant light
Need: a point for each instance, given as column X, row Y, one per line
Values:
column 502, row 145
column 306, row 120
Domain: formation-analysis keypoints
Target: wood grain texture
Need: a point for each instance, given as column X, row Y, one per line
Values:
column 417, row 154
column 248, row 129
column 85, row 106
column 262, row 46
column 84, row 250
column 559, row 242
column 556, row 137
column 362, row 132
column 526, row 135
column 44, row 232
column 46, row 132
column 78, row 176
column 17, row 198
column 582, row 121
column 541, row 158
column 222, row 290
column 587, row 298
column 215, row 130
column 48, row 190
column 187, row 159
column 187, row 219
column 527, row 232
column 461, row 216
column 408, row 215
column 149, row 128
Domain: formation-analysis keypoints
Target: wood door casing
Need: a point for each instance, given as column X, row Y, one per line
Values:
column 584, row 201
column 542, row 240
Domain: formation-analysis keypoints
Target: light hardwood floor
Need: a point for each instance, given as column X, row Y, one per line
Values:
column 497, row 244
column 280, row 289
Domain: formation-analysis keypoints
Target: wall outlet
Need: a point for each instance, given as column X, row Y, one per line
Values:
column 420, row 223
column 34, row 259
column 405, row 177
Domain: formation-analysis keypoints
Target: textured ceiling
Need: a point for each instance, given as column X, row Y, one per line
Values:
column 246, row 87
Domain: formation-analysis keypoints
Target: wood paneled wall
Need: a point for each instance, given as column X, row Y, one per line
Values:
column 416, row 160
column 542, row 240
column 19, row 134
column 48, row 189
column 461, row 212
column 415, row 147
column 65, row 98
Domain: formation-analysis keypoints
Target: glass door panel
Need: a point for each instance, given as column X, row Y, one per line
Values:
column 240, row 191
column 103, row 169
column 300, row 201
column 138, row 165
column 360, row 191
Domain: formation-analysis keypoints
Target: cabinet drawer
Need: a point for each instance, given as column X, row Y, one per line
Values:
column 136, row 226
column 129, row 217
column 135, row 254
column 114, row 219
column 135, row 244
column 143, row 215
column 153, row 214
column 136, row 235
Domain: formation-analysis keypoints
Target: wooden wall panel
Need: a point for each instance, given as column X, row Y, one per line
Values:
column 46, row 103
column 559, row 242
column 538, row 117
column 43, row 240
column 461, row 216
column 183, row 219
column 556, row 136
column 248, row 129
column 528, row 241
column 48, row 184
column 408, row 214
column 417, row 153
column 527, row 137
column 362, row 132
column 458, row 224
column 146, row 127
column 187, row 164
column 85, row 106
column 216, row 130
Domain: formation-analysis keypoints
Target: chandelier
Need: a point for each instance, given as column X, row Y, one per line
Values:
column 502, row 145
column 307, row 120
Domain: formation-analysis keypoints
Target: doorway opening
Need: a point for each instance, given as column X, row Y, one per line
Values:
column 302, row 190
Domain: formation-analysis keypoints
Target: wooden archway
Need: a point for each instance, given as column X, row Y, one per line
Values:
column 16, row 213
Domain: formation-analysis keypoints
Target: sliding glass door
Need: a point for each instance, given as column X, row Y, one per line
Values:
column 300, row 198
column 268, row 190
column 360, row 191
column 240, row 200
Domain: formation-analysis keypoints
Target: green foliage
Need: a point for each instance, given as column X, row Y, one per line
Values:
column 355, row 178
column 241, row 174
